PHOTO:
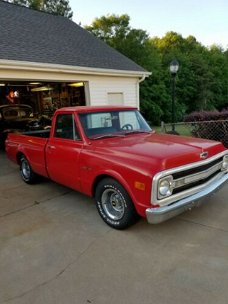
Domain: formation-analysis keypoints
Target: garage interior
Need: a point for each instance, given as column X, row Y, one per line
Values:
column 43, row 97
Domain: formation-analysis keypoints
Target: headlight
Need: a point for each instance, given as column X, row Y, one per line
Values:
column 165, row 187
column 225, row 163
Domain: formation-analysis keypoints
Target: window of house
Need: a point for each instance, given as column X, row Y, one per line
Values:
column 115, row 99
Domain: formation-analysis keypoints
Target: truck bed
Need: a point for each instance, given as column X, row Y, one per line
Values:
column 31, row 143
column 38, row 133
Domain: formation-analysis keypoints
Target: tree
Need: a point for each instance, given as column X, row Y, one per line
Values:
column 202, row 78
column 56, row 7
column 135, row 44
column 219, row 68
column 110, row 28
column 116, row 31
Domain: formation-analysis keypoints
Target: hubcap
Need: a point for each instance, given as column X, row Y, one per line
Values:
column 113, row 204
column 25, row 169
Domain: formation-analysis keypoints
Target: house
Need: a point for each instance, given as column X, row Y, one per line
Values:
column 49, row 61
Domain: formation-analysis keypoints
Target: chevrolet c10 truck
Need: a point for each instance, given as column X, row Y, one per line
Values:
column 110, row 153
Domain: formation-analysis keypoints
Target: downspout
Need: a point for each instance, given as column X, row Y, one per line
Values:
column 139, row 81
column 142, row 78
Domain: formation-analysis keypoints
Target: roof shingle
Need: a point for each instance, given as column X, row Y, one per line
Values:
column 34, row 36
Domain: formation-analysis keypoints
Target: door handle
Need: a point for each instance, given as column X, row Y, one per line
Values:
column 52, row 147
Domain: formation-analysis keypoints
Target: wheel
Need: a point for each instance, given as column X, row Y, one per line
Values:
column 127, row 127
column 114, row 204
column 26, row 171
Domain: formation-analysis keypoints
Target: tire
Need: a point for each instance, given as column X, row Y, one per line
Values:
column 26, row 171
column 114, row 204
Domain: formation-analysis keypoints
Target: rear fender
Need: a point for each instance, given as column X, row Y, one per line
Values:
column 21, row 152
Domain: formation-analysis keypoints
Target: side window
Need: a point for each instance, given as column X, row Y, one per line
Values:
column 65, row 127
column 11, row 113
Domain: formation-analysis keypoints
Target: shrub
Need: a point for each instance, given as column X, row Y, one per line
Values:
column 210, row 125
column 206, row 116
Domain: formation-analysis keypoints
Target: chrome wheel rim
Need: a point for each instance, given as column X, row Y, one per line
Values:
column 113, row 204
column 25, row 169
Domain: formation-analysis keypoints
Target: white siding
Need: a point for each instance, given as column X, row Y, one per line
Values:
column 100, row 87
column 116, row 98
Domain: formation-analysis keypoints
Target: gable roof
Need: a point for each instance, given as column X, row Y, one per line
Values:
column 34, row 36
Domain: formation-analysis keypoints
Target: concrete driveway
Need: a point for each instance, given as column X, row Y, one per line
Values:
column 54, row 248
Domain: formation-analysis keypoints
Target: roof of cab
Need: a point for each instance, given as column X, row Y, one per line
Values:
column 88, row 109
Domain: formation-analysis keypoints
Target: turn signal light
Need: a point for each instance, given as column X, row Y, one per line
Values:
column 140, row 186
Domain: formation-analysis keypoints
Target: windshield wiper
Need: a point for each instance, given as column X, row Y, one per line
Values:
column 107, row 136
column 138, row 131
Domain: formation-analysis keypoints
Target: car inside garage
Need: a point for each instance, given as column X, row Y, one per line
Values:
column 43, row 97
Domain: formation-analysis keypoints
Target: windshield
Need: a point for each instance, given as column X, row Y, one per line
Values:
column 113, row 123
column 14, row 112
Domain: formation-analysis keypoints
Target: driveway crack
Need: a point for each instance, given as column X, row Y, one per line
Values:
column 34, row 204
column 59, row 274
column 203, row 225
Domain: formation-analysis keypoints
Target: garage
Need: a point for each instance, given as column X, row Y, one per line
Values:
column 43, row 97
column 48, row 61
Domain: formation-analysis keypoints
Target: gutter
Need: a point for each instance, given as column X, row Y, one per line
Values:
column 144, row 76
column 142, row 79
column 66, row 69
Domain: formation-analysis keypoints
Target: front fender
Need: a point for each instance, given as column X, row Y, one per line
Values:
column 139, row 197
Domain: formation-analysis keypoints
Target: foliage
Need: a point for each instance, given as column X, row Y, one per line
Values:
column 59, row 7
column 201, row 82
column 56, row 7
column 206, row 116
column 116, row 31
column 209, row 124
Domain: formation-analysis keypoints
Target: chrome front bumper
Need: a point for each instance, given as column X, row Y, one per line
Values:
column 159, row 215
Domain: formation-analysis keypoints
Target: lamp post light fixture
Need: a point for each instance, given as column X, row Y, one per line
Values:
column 173, row 67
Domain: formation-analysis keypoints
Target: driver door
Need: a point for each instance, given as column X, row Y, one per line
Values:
column 63, row 151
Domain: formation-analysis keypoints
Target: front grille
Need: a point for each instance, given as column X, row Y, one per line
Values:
column 197, row 176
column 188, row 179
column 195, row 184
column 197, row 169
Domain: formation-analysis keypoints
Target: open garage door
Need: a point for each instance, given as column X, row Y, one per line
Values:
column 43, row 97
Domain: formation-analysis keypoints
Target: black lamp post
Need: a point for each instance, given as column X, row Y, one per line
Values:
column 173, row 67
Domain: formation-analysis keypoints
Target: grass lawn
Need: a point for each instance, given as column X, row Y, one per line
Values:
column 182, row 129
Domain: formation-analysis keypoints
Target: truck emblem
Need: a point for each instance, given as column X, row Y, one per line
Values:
column 204, row 155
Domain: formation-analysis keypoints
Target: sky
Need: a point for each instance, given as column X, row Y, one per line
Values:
column 206, row 20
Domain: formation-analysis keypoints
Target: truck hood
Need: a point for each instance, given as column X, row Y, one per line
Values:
column 167, row 150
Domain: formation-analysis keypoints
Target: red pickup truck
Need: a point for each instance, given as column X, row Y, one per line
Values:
column 111, row 153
